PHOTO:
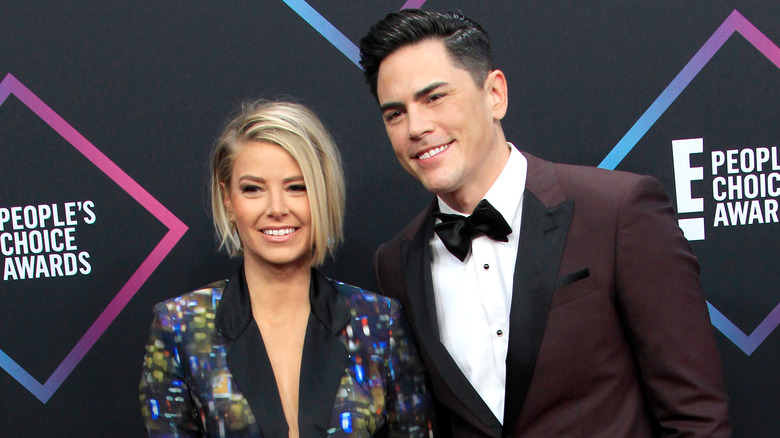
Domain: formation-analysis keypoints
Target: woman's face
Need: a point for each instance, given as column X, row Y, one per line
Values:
column 268, row 201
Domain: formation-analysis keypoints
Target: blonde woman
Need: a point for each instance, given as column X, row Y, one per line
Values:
column 280, row 350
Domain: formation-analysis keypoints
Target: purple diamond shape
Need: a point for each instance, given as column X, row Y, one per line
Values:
column 734, row 23
column 176, row 229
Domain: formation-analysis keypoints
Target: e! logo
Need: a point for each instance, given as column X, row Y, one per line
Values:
column 684, row 175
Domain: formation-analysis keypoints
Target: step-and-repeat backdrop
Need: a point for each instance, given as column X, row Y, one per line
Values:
column 108, row 111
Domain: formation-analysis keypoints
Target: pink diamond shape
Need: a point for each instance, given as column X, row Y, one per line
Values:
column 176, row 229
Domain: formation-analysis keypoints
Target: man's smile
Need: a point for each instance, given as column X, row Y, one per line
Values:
column 433, row 151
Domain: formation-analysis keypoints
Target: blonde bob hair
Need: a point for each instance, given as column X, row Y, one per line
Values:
column 297, row 130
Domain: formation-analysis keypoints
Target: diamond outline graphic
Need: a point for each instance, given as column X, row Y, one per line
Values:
column 734, row 23
column 330, row 32
column 176, row 229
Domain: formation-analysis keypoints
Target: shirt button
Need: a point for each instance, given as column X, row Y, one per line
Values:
column 500, row 333
column 486, row 266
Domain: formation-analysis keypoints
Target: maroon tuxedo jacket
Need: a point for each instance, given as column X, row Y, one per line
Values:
column 609, row 330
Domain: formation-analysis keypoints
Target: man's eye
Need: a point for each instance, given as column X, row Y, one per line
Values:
column 392, row 115
column 435, row 97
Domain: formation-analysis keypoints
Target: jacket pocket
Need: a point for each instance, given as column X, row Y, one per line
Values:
column 572, row 286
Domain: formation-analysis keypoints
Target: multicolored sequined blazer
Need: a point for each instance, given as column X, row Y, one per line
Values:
column 206, row 371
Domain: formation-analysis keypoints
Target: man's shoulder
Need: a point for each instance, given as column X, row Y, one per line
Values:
column 574, row 178
column 580, row 172
column 388, row 258
column 410, row 229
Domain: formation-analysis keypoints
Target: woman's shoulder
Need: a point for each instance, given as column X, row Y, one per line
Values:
column 362, row 299
column 199, row 301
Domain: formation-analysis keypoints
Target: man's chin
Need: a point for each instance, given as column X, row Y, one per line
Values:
column 435, row 182
column 437, row 188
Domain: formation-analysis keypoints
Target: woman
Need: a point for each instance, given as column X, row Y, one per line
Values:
column 279, row 350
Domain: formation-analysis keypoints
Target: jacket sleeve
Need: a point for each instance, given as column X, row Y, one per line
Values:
column 663, row 309
column 408, row 402
column 166, row 405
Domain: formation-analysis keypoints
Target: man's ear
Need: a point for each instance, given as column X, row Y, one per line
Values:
column 495, row 84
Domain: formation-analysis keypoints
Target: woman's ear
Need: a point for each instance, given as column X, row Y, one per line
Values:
column 225, row 191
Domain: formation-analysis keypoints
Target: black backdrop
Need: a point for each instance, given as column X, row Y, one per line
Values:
column 109, row 109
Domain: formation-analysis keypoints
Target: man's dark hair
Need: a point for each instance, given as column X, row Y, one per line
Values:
column 467, row 43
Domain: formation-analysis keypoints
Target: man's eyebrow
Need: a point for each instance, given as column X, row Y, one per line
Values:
column 417, row 96
column 390, row 105
column 427, row 90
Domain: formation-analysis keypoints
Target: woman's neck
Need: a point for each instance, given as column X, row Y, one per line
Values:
column 276, row 293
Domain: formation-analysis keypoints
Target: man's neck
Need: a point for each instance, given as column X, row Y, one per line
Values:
column 465, row 199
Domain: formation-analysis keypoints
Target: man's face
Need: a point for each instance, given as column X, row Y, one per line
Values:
column 444, row 128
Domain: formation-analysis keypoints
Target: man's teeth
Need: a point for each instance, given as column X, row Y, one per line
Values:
column 283, row 232
column 432, row 152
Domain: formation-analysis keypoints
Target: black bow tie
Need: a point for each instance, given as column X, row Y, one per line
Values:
column 456, row 231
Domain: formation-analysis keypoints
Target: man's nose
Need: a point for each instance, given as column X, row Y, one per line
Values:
column 419, row 122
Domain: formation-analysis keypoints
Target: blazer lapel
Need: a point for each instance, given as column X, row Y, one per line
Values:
column 324, row 357
column 322, row 364
column 416, row 260
column 542, row 240
column 248, row 360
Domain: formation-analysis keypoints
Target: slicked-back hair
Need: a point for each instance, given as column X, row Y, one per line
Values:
column 466, row 42
column 297, row 130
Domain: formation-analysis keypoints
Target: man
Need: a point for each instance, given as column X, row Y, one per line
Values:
column 581, row 315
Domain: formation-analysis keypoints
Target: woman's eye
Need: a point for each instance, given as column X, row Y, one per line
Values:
column 297, row 188
column 250, row 189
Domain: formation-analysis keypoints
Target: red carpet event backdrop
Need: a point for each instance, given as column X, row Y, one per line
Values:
column 108, row 112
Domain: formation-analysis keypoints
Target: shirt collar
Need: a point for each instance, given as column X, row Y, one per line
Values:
column 507, row 191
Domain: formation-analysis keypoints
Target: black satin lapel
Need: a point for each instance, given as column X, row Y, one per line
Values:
column 542, row 240
column 419, row 286
column 324, row 358
column 416, row 262
column 247, row 359
column 248, row 362
column 235, row 309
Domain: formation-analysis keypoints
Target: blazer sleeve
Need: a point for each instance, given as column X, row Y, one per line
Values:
column 166, row 405
column 665, row 316
column 409, row 407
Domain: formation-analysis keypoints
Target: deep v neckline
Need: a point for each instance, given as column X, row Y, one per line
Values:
column 323, row 362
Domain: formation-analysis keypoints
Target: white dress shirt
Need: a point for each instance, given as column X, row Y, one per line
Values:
column 473, row 297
